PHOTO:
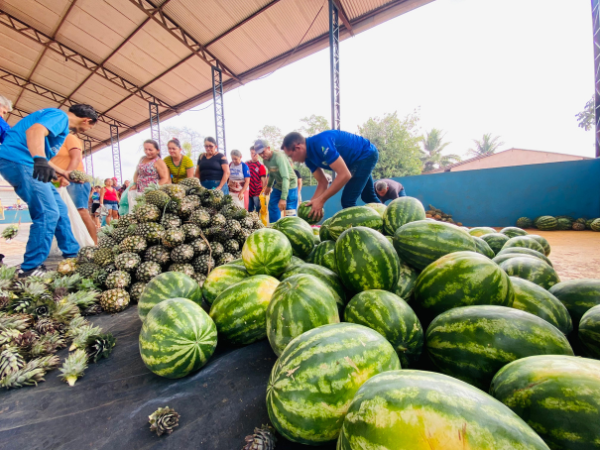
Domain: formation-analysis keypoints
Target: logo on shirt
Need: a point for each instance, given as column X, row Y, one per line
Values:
column 325, row 150
column 273, row 169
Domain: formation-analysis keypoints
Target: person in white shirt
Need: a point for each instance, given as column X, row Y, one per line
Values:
column 239, row 178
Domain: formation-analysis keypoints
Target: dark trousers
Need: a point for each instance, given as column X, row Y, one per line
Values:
column 361, row 184
column 254, row 204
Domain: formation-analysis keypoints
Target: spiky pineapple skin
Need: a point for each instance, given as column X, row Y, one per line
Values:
column 201, row 264
column 152, row 232
column 133, row 244
column 118, row 279
column 147, row 271
column 158, row 253
column 86, row 254
column 183, row 253
column 157, row 198
column 114, row 300
column 200, row 246
column 103, row 257
column 187, row 269
column 127, row 261
column 87, row 270
column 201, row 217
column 147, row 213
column 173, row 237
column 135, row 292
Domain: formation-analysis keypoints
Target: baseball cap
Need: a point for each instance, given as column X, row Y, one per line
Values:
column 260, row 145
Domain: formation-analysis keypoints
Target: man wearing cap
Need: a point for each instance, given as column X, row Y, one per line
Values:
column 351, row 157
column 282, row 185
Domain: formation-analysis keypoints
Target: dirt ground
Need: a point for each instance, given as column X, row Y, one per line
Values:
column 575, row 254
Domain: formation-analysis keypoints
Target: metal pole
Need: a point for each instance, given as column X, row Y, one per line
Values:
column 217, row 77
column 87, row 157
column 155, row 124
column 596, row 25
column 334, row 64
column 116, row 151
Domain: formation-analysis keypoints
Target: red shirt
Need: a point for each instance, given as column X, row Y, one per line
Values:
column 257, row 170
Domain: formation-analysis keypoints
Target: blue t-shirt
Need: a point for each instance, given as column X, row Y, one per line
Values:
column 4, row 127
column 324, row 148
column 14, row 148
column 239, row 172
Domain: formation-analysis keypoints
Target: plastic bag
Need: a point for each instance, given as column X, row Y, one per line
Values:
column 132, row 196
column 82, row 236
column 124, row 203
column 264, row 212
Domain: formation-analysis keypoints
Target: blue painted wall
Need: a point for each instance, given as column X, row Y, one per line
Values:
column 13, row 216
column 498, row 197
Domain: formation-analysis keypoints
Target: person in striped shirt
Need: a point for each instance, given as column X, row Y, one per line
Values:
column 258, row 180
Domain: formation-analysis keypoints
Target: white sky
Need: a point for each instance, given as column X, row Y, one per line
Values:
column 520, row 69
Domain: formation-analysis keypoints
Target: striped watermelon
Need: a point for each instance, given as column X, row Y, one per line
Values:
column 366, row 260
column 177, row 338
column 536, row 300
column 483, row 248
column 559, row 396
column 401, row 211
column 240, row 310
column 329, row 261
column 330, row 278
column 379, row 207
column 421, row 243
column 324, row 231
column 267, row 251
column 546, row 223
column 524, row 242
column 235, row 262
column 317, row 375
column 220, row 278
column 407, row 278
column 391, row 317
column 294, row 262
column 356, row 216
column 168, row 285
column 532, row 269
column 417, row 410
column 543, row 242
column 578, row 296
column 524, row 222
column 474, row 342
column 299, row 233
column 481, row 231
column 563, row 223
column 589, row 331
column 508, row 255
column 512, row 232
column 595, row 225
column 300, row 303
column 526, row 251
column 303, row 212
column 461, row 279
column 495, row 240
column 317, row 253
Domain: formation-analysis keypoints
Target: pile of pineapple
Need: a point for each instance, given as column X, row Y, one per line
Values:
column 177, row 227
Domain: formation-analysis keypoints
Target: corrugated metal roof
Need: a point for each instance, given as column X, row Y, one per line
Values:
column 119, row 54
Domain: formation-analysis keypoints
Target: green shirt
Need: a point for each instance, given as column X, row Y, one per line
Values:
column 178, row 172
column 281, row 175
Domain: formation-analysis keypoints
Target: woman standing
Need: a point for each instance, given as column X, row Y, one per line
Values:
column 212, row 168
column 110, row 199
column 150, row 170
column 180, row 166
column 95, row 198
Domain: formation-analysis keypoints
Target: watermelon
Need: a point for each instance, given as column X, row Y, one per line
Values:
column 559, row 396
column 536, row 300
column 563, row 224
column 512, row 232
column 508, row 255
column 391, row 317
column 407, row 278
column 379, row 207
column 495, row 240
column 177, row 338
column 220, row 278
column 240, row 310
column 532, row 269
column 461, row 279
column 473, row 342
column 329, row 261
column 546, row 223
column 524, row 242
column 401, row 211
column 299, row 233
column 483, row 248
column 330, row 278
column 589, row 331
column 235, row 262
column 300, row 303
column 324, row 230
column 524, row 222
column 168, row 285
column 417, row 410
column 543, row 242
column 316, row 255
column 356, row 216
column 578, row 296
column 294, row 262
column 317, row 375
column 528, row 252
column 304, row 210
column 588, row 224
column 481, row 231
column 366, row 260
column 421, row 243
column 267, row 251
column 595, row 225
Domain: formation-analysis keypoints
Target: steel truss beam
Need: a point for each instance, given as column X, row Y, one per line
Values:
column 334, row 63
column 596, row 25
column 155, row 125
column 217, row 77
column 116, row 152
column 87, row 157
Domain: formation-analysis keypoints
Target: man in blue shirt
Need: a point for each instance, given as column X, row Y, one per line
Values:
column 351, row 157
column 5, row 108
column 24, row 163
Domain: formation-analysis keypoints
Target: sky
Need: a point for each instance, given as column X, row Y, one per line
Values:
column 519, row 69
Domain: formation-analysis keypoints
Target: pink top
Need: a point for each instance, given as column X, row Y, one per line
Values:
column 147, row 174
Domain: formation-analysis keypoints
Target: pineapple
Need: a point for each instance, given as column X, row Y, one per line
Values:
column 201, row 217
column 121, row 233
column 217, row 249
column 133, row 244
column 213, row 232
column 218, row 220
column 187, row 269
column 114, row 300
column 158, row 253
column 164, row 420
column 240, row 213
column 174, row 237
column 126, row 220
column 86, row 254
column 67, row 266
column 200, row 246
column 174, row 191
column 147, row 213
column 233, row 226
column 48, row 326
column 10, row 232
column 241, row 237
column 262, row 439
column 119, row 279
column 151, row 232
column 156, row 197
column 247, row 223
column 104, row 257
column 30, row 374
column 80, row 177
column 87, row 270
column 135, row 292
column 127, row 261
column 11, row 361
column 203, row 264
column 93, row 310
column 183, row 253
column 188, row 206
column 170, row 221
column 100, row 277
column 225, row 258
column 191, row 231
column 190, row 182
column 228, row 211
column 147, row 271
column 231, row 246
column 99, row 346
column 74, row 367
column 106, row 242
column 200, row 278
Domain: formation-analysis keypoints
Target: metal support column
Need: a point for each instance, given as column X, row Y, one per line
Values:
column 334, row 62
column 116, row 151
column 217, row 77
column 596, row 25
column 87, row 157
column 155, row 125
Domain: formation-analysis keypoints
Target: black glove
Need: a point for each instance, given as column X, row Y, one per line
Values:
column 42, row 170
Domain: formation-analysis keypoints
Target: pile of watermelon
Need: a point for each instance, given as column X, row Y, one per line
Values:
column 551, row 223
column 394, row 330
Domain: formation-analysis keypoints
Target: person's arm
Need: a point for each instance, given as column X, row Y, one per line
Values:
column 299, row 184
column 102, row 192
column 164, row 176
column 197, row 172
column 322, row 182
column 342, row 176
column 190, row 172
column 189, row 167
column 36, row 140
column 270, row 183
column 225, row 177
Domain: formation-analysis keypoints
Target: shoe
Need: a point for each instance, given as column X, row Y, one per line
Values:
column 38, row 271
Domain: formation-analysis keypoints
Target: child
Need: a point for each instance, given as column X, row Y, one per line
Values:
column 239, row 178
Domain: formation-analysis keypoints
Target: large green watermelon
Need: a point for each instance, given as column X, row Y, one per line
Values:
column 495, row 240
column 524, row 242
column 532, row 269
column 324, row 230
column 595, row 225
column 559, row 396
column 543, row 242
column 330, row 278
column 356, row 216
column 240, row 310
column 317, row 253
column 407, row 278
column 417, row 410
column 524, row 222
column 589, row 331
column 299, row 233
column 300, row 303
column 536, row 300
column 177, row 338
column 423, row 242
column 461, row 279
column 390, row 316
column 506, row 256
column 481, row 231
column 379, row 207
column 512, row 232
column 303, row 212
column 318, row 374
column 267, row 251
column 528, row 252
column 578, row 296
column 483, row 248
column 168, row 285
column 366, row 260
column 329, row 261
column 401, row 211
column 473, row 342
column 546, row 223
column 220, row 278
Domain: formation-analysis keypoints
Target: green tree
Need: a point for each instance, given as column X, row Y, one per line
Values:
column 587, row 118
column 273, row 135
column 398, row 143
column 486, row 146
column 314, row 125
column 433, row 145
column 192, row 142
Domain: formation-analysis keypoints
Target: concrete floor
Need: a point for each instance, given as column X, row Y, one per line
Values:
column 575, row 254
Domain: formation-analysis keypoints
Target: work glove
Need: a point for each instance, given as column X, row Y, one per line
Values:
column 42, row 170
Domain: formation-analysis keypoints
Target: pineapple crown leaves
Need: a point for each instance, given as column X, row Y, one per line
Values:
column 99, row 346
column 65, row 312
column 163, row 420
column 82, row 299
column 33, row 288
column 68, row 282
column 14, row 321
column 10, row 232
column 47, row 344
column 7, row 273
column 10, row 361
column 8, row 336
column 262, row 439
column 74, row 367
column 87, row 285
column 30, row 374
column 48, row 363
column 75, row 324
column 83, row 334
column 152, row 187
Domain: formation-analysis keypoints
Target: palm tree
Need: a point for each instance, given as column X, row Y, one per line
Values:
column 487, row 146
column 432, row 151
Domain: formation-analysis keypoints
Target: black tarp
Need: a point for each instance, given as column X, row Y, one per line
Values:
column 109, row 407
